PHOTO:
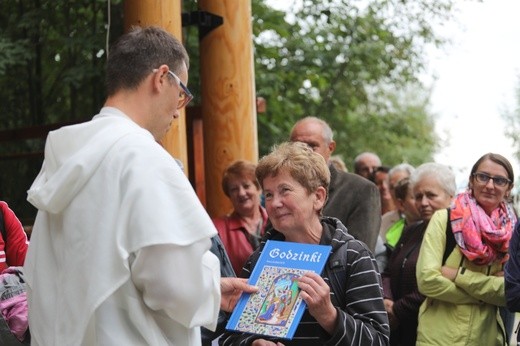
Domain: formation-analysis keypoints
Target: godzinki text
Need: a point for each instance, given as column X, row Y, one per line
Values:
column 295, row 256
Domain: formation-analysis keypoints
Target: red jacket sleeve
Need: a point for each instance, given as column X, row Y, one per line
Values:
column 14, row 248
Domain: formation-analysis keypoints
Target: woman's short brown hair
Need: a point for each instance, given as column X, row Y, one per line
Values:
column 304, row 165
column 239, row 169
column 401, row 188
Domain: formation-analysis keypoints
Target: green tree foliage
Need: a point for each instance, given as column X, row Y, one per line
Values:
column 52, row 55
column 326, row 58
column 349, row 62
column 52, row 58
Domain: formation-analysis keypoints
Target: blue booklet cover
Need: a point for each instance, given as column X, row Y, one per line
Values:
column 277, row 308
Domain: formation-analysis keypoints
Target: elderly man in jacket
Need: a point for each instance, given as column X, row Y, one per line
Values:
column 352, row 199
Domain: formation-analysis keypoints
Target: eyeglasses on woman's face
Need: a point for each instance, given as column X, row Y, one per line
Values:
column 484, row 178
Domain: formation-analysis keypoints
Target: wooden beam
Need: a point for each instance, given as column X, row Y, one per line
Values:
column 228, row 95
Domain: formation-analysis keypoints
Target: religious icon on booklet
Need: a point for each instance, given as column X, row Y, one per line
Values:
column 276, row 309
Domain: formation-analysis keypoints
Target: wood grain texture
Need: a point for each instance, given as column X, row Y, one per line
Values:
column 228, row 96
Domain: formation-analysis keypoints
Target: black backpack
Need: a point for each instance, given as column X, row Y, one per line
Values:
column 450, row 241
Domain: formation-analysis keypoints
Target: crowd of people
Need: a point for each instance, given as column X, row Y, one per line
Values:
column 123, row 252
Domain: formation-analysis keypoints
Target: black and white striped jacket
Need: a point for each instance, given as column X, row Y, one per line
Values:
column 356, row 291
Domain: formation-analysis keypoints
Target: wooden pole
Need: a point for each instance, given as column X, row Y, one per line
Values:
column 166, row 14
column 228, row 96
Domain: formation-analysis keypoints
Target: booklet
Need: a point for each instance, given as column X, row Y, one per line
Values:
column 277, row 308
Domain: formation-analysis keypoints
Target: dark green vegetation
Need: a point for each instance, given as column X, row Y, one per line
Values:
column 353, row 63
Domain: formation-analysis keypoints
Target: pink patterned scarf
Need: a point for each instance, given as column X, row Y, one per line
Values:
column 482, row 238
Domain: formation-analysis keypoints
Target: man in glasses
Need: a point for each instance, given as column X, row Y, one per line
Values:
column 366, row 163
column 119, row 252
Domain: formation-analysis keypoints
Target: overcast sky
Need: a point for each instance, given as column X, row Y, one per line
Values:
column 477, row 76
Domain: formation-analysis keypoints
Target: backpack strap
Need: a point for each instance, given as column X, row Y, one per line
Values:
column 337, row 273
column 2, row 227
column 450, row 240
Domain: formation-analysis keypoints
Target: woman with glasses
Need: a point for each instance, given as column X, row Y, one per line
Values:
column 460, row 264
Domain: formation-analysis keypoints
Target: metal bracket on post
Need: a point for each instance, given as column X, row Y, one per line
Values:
column 205, row 21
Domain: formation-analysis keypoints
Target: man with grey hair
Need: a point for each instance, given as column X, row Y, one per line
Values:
column 353, row 200
column 120, row 249
column 366, row 163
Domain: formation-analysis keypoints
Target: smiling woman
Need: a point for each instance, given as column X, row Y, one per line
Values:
column 242, row 229
column 464, row 285
column 295, row 180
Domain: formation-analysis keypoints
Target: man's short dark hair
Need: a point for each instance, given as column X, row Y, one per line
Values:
column 138, row 52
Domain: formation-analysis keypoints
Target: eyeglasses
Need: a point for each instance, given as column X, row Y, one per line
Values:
column 185, row 96
column 483, row 178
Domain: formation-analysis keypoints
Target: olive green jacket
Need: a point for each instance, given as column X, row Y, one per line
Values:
column 460, row 312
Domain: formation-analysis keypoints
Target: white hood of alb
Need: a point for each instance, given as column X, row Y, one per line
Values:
column 107, row 190
column 72, row 155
